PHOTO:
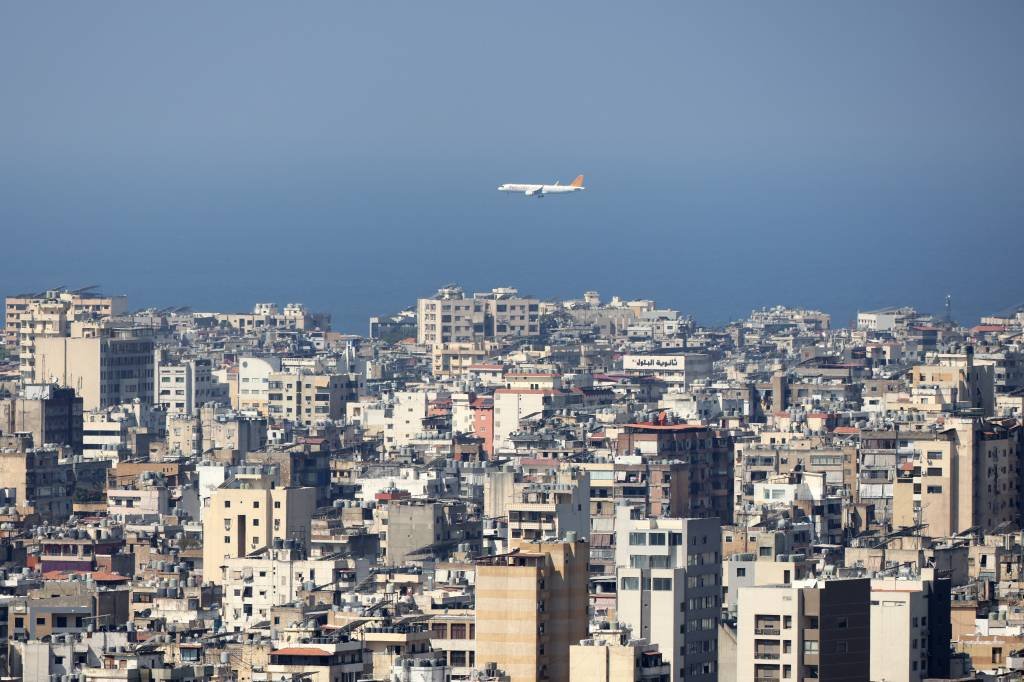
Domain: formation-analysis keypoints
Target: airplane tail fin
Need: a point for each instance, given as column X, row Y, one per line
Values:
column 578, row 182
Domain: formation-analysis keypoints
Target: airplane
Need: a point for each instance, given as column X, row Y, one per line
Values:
column 543, row 190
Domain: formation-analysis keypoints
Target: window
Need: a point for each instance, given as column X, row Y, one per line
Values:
column 662, row 584
column 637, row 539
column 810, row 646
column 458, row 631
column 656, row 539
column 675, row 539
column 629, row 584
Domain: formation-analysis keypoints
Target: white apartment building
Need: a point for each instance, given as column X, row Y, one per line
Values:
column 668, row 573
column 254, row 584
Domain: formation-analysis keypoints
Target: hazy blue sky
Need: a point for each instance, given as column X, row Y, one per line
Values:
column 346, row 154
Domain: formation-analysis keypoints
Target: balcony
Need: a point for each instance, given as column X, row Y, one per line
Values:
column 768, row 630
column 767, row 655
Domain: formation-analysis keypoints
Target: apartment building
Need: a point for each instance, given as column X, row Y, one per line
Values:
column 953, row 382
column 677, row 368
column 50, row 313
column 247, row 513
column 268, row 317
column 668, row 576
column 50, row 413
column 338, row 659
column 42, row 484
column 254, row 383
column 419, row 529
column 275, row 576
column 513, row 405
column 184, row 384
column 706, row 453
column 910, row 628
column 308, row 399
column 111, row 368
column 612, row 656
column 531, row 607
column 958, row 477
column 451, row 360
column 807, row 630
column 452, row 317
column 542, row 505
column 885, row 319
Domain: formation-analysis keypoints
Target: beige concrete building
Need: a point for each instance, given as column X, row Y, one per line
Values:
column 531, row 606
column 50, row 313
column 449, row 360
column 40, row 482
column 269, row 317
column 962, row 476
column 247, row 513
column 951, row 382
column 308, row 399
column 113, row 368
column 611, row 657
column 452, row 317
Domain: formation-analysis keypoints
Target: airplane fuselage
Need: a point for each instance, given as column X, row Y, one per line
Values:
column 542, row 190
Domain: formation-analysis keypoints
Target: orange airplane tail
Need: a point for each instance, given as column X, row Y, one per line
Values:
column 578, row 182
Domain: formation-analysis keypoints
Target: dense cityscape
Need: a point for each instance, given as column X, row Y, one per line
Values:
column 497, row 486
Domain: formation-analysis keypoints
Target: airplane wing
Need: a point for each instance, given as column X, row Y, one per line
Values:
column 533, row 192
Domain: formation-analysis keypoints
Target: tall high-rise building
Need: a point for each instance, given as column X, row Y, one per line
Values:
column 669, row 587
column 531, row 606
